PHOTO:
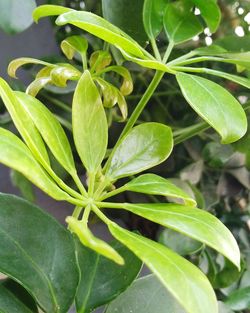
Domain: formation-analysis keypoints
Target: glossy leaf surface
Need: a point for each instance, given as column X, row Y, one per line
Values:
column 143, row 147
column 101, row 28
column 127, row 15
column 180, row 23
column 145, row 295
column 16, row 15
column 210, row 11
column 74, row 44
column 40, row 270
column 215, row 105
column 195, row 223
column 90, row 127
column 15, row 154
column 50, row 129
column 153, row 11
column 49, row 10
column 101, row 279
column 89, row 240
column 156, row 185
column 183, row 280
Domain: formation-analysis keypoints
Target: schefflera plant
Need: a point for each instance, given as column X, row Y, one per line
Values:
column 138, row 148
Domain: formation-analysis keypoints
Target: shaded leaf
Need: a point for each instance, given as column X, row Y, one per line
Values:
column 183, row 280
column 74, row 44
column 145, row 295
column 101, row 279
column 215, row 105
column 239, row 299
column 40, row 271
column 24, row 185
column 143, row 147
column 90, row 127
column 99, row 60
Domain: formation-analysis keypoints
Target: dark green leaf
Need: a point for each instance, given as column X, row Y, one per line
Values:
column 126, row 15
column 183, row 280
column 145, row 295
column 101, row 279
column 239, row 299
column 195, row 223
column 143, row 147
column 90, row 127
column 153, row 11
column 215, row 105
column 156, row 185
column 101, row 28
column 37, row 252
column 180, row 23
column 210, row 11
column 16, row 15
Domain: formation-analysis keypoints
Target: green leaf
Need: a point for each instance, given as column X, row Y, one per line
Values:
column 36, row 251
column 16, row 15
column 180, row 23
column 179, row 243
column 215, row 105
column 183, row 280
column 210, row 11
column 127, row 15
column 99, row 60
column 101, row 279
column 195, row 223
column 145, row 295
column 143, row 147
column 74, row 44
column 15, row 154
column 48, row 10
column 239, row 299
column 15, row 64
column 24, row 185
column 101, row 28
column 90, row 127
column 155, row 185
column 37, row 84
column 92, row 242
column 50, row 129
column 62, row 73
column 153, row 11
column 9, row 303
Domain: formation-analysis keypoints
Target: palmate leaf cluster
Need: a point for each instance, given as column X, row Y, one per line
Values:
column 139, row 148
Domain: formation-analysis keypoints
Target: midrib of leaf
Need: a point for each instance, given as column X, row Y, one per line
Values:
column 37, row 269
column 82, row 310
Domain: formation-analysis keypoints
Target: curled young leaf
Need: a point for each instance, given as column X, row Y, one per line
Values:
column 74, row 44
column 15, row 64
column 90, row 241
column 99, row 60
column 61, row 73
column 143, row 147
column 215, row 105
column 183, row 280
column 90, row 127
column 48, row 10
column 37, row 84
column 101, row 28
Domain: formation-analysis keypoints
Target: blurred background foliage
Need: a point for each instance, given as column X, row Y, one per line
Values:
column 216, row 175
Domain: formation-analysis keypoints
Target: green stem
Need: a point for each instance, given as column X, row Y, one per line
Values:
column 79, row 184
column 113, row 193
column 77, row 211
column 156, row 94
column 182, row 135
column 183, row 57
column 110, row 205
column 155, row 49
column 91, row 184
column 102, row 216
column 86, row 214
column 84, row 61
column 168, row 51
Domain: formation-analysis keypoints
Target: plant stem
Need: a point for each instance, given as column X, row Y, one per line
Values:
column 77, row 211
column 113, row 193
column 86, row 213
column 79, row 184
column 102, row 216
column 183, row 57
column 110, row 205
column 168, row 51
column 91, row 184
column 155, row 49
column 182, row 135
